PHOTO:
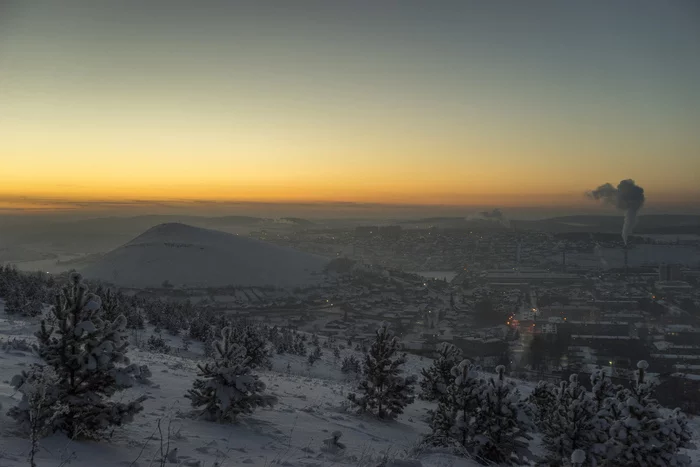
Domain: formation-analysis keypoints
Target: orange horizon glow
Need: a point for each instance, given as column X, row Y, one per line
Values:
column 361, row 104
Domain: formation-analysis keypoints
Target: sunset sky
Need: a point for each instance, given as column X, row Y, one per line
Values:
column 502, row 103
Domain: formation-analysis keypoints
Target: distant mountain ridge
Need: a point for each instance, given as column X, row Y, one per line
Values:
column 653, row 223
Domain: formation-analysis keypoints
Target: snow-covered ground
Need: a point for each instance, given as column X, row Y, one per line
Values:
column 311, row 405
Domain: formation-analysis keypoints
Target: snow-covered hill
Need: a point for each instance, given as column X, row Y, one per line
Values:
column 312, row 404
column 191, row 256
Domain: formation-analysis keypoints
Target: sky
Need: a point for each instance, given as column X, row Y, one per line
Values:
column 458, row 103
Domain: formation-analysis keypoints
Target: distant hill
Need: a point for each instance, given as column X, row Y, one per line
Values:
column 654, row 223
column 98, row 235
column 191, row 256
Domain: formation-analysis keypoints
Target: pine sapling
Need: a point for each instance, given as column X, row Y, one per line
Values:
column 226, row 387
column 384, row 392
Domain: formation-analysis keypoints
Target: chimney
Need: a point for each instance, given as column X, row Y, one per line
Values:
column 563, row 260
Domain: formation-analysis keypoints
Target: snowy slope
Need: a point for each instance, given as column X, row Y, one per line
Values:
column 311, row 405
column 192, row 256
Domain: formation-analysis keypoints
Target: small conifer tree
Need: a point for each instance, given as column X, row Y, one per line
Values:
column 641, row 436
column 438, row 377
column 88, row 357
column 502, row 422
column 573, row 423
column 383, row 391
column 226, row 387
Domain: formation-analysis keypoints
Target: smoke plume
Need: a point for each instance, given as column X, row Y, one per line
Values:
column 628, row 197
column 495, row 214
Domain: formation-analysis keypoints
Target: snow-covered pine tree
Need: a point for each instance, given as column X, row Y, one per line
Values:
column 39, row 404
column 442, row 427
column 351, row 364
column 110, row 303
column 15, row 301
column 463, row 396
column 33, row 308
column 573, row 424
column 602, row 388
column 678, row 432
column 641, row 436
column 157, row 344
column 299, row 347
column 226, row 387
column 502, row 422
column 383, row 391
column 315, row 355
column 253, row 338
column 88, row 356
column 451, row 423
column 438, row 377
column 543, row 400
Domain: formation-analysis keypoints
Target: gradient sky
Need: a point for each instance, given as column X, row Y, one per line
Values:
column 448, row 102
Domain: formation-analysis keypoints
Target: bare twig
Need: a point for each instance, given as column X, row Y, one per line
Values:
column 133, row 463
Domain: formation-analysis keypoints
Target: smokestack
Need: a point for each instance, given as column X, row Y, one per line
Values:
column 626, row 265
column 628, row 197
column 563, row 259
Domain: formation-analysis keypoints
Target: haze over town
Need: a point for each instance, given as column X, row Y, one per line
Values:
column 371, row 234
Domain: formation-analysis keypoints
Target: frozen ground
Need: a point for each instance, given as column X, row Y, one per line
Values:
column 311, row 406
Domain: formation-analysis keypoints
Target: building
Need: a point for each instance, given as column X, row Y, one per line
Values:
column 516, row 277
column 670, row 272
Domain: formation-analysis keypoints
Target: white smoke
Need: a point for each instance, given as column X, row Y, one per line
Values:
column 628, row 196
column 599, row 253
column 495, row 216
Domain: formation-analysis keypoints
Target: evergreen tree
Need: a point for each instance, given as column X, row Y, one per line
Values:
column 383, row 391
column 110, row 303
column 88, row 357
column 33, row 308
column 641, row 436
column 351, row 365
column 299, row 347
column 543, row 401
column 15, row 302
column 438, row 377
column 226, row 387
column 501, row 424
column 573, row 424
column 602, row 388
column 315, row 355
column 442, row 427
column 463, row 396
column 252, row 338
